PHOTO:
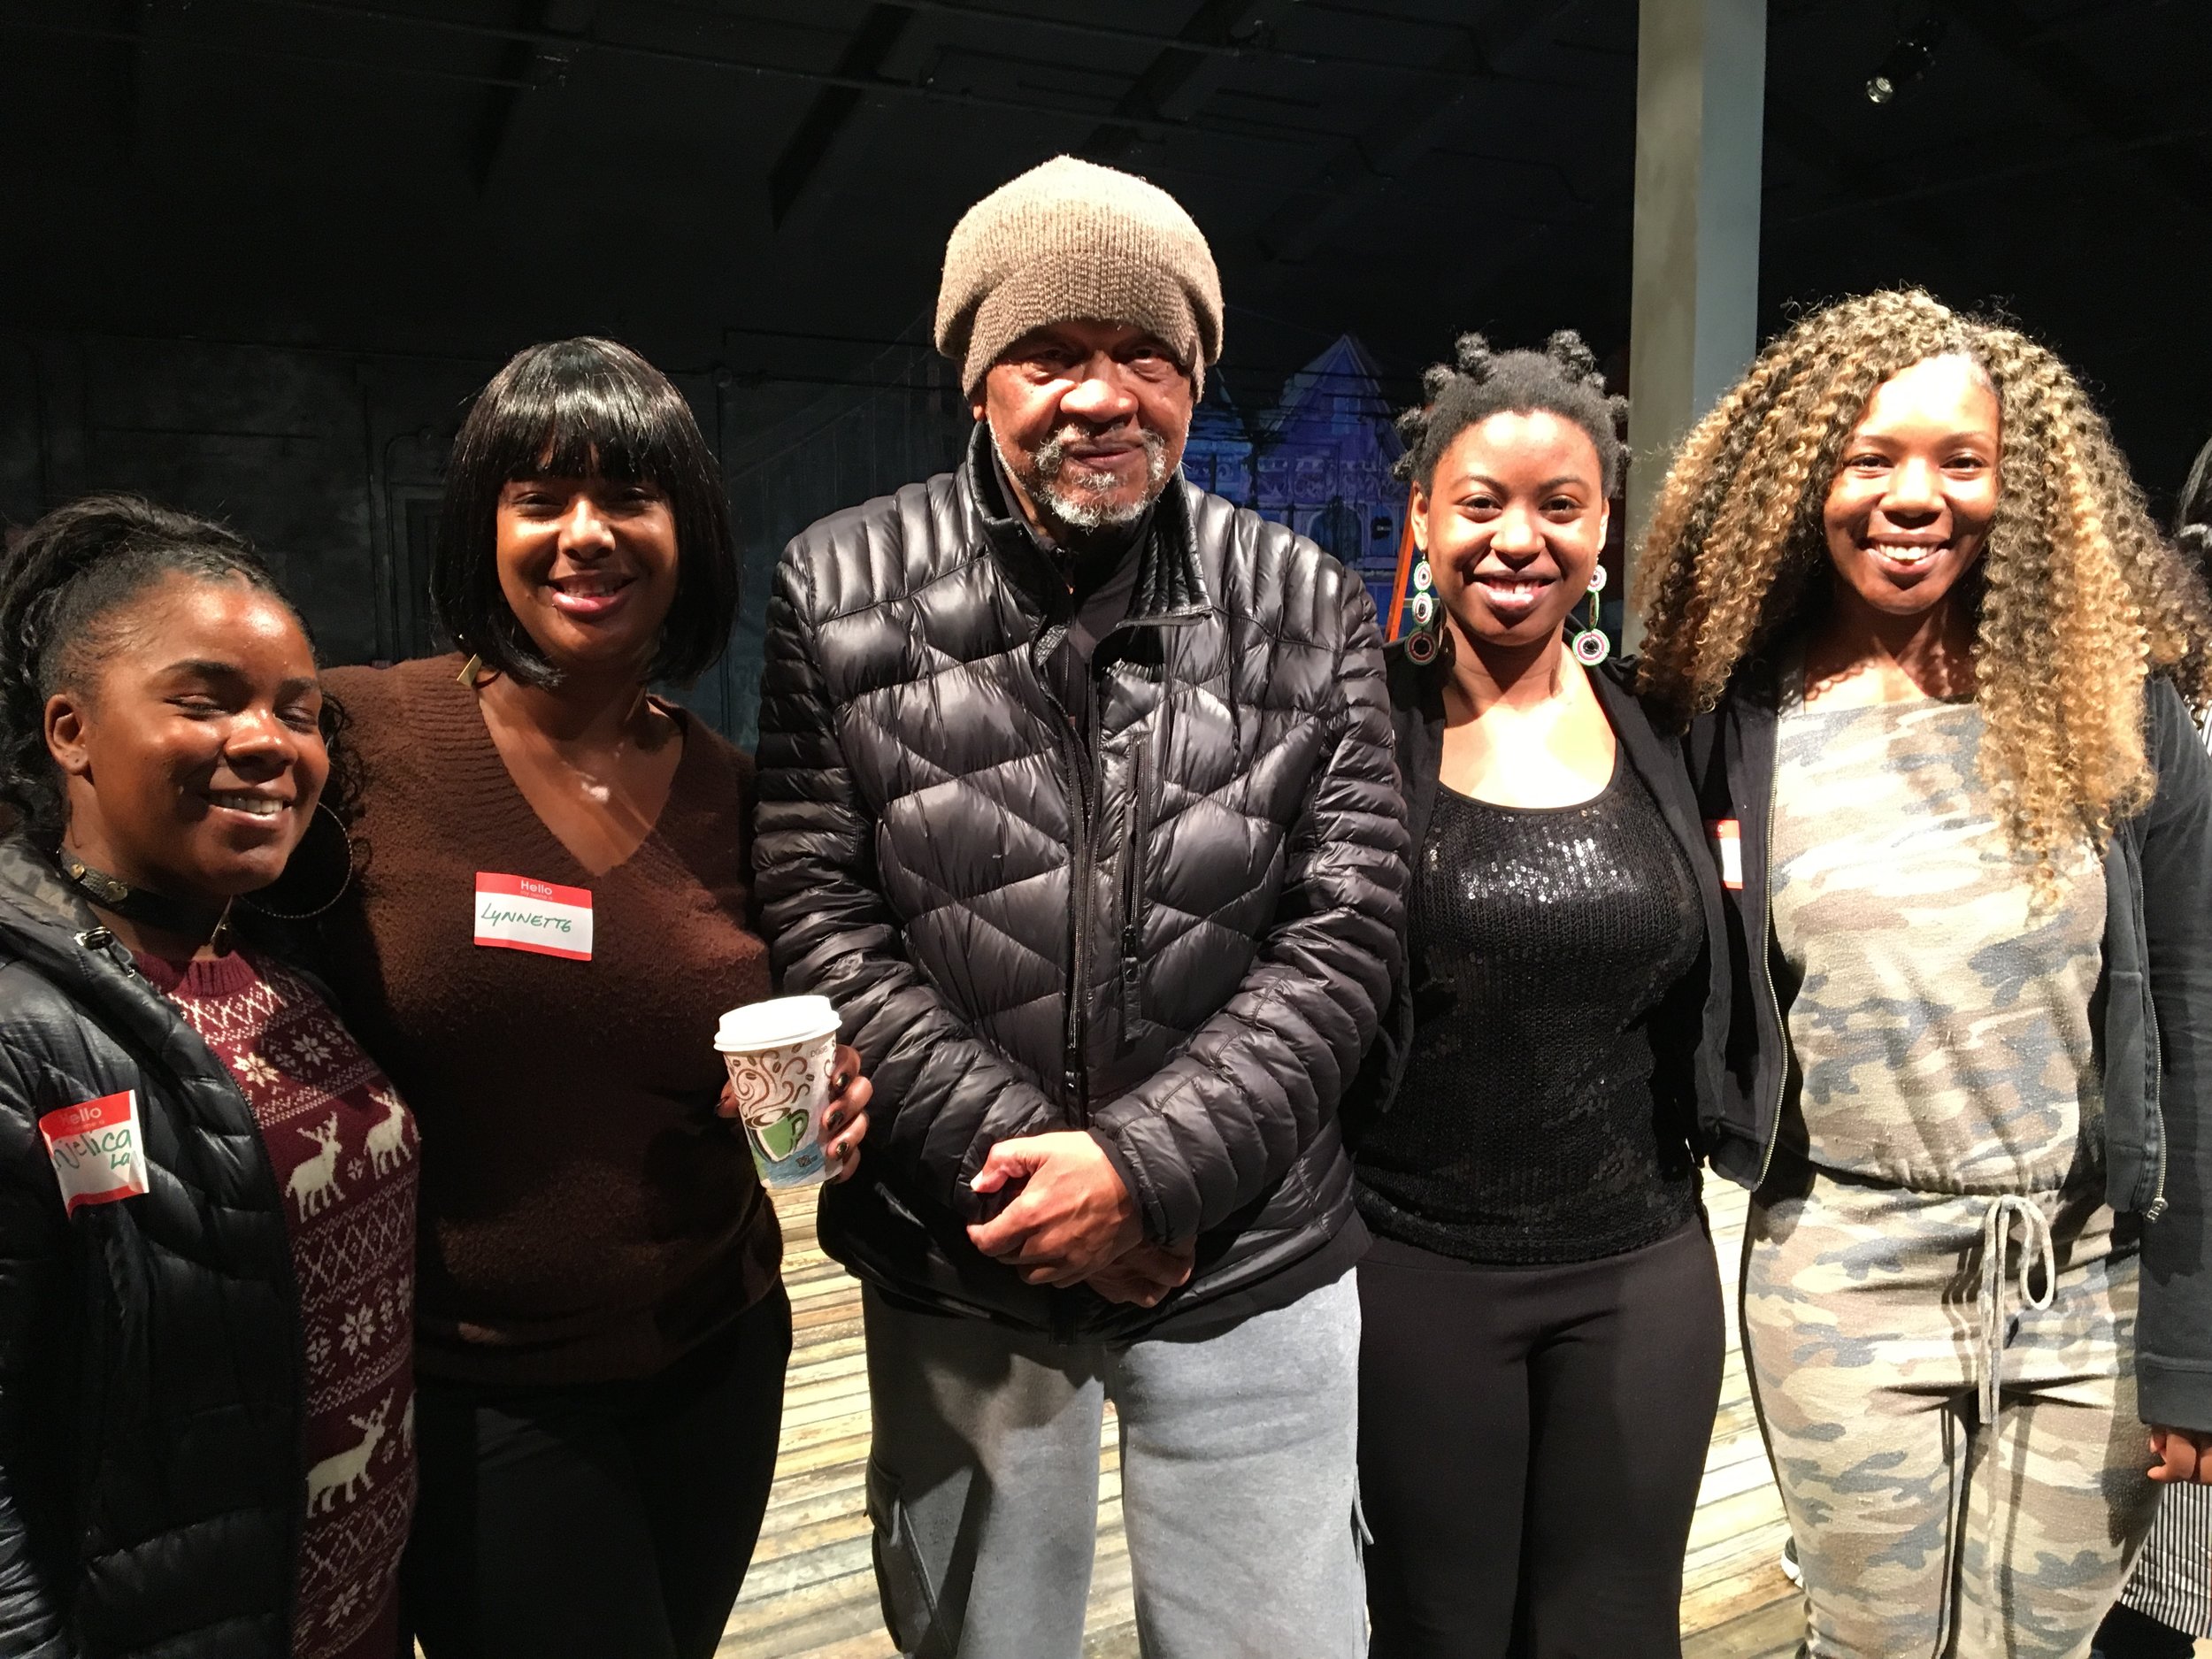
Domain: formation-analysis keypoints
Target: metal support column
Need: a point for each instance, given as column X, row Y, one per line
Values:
column 1700, row 93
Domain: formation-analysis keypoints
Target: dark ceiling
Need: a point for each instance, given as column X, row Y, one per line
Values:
column 766, row 185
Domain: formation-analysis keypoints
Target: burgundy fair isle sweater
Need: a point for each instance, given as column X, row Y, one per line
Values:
column 344, row 1151
column 585, row 1214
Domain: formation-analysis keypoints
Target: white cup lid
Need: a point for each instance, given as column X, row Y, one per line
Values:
column 777, row 1021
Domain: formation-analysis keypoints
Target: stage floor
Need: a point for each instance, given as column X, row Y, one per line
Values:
column 811, row 1593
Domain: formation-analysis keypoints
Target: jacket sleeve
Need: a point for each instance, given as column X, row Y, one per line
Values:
column 32, row 1265
column 1212, row 1130
column 2174, row 1339
column 943, row 1096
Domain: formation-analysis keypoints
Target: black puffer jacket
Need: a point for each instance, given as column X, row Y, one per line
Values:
column 1176, row 928
column 151, row 1481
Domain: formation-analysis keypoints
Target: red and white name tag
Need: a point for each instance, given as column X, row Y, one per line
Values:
column 1728, row 847
column 517, row 913
column 98, row 1150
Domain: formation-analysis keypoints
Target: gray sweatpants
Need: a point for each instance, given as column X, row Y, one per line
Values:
column 1238, row 1475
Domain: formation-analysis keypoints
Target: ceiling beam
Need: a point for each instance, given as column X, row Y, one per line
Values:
column 522, row 119
column 1176, row 84
column 149, row 80
column 877, row 34
column 2108, row 107
column 1371, row 164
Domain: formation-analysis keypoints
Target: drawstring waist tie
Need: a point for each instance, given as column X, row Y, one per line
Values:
column 1997, row 1224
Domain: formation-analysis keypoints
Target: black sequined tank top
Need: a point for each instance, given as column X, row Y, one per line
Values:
column 1528, row 1127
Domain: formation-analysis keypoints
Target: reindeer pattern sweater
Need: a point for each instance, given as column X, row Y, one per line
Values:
column 586, row 1215
column 342, row 1146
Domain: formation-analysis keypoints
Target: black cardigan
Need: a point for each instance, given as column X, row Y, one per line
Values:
column 152, row 1482
column 2154, row 1002
column 1688, row 1030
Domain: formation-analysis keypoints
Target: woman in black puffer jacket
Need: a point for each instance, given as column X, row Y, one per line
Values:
column 206, row 1191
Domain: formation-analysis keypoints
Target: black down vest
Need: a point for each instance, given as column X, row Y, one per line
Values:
column 1175, row 928
column 152, row 1478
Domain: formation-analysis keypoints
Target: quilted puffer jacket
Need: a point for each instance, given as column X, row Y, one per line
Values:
column 150, row 1465
column 1174, row 928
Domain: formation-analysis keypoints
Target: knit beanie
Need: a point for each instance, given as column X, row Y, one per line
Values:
column 1070, row 240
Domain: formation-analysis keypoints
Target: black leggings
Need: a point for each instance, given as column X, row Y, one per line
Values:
column 596, row 1521
column 1530, row 1444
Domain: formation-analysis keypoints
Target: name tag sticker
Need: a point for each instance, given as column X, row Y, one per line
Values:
column 98, row 1150
column 517, row 913
column 1728, row 846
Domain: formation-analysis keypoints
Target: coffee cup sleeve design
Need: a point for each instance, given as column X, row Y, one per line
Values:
column 773, row 1093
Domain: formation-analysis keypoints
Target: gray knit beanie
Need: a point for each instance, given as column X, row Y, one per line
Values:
column 1067, row 240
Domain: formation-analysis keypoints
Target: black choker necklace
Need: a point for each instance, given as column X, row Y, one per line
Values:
column 186, row 918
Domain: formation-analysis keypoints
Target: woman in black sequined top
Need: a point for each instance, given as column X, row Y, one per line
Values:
column 1542, row 1345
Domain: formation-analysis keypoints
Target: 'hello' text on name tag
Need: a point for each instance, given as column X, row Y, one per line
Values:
column 517, row 913
column 98, row 1149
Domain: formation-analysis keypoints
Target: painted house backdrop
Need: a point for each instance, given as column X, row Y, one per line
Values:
column 1318, row 459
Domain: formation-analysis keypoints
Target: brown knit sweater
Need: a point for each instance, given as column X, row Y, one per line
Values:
column 585, row 1214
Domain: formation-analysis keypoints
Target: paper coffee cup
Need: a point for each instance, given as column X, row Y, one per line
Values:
column 780, row 1055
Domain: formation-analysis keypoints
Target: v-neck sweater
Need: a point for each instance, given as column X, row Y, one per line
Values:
column 585, row 1214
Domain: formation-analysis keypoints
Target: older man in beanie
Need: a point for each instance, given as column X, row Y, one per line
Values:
column 1077, row 798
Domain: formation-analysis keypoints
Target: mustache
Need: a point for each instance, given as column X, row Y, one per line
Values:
column 1052, row 458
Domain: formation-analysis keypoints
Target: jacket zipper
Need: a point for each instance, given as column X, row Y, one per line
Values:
column 1766, row 967
column 1073, row 1088
column 2155, row 1089
column 1133, row 903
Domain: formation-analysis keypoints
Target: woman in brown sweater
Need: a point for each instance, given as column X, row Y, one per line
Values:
column 602, row 1332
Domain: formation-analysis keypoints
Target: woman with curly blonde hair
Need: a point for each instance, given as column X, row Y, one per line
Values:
column 1934, row 658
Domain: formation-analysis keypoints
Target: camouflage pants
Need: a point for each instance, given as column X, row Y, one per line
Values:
column 1921, row 1532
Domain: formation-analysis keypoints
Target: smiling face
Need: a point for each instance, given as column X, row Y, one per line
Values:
column 1090, row 419
column 193, row 757
column 1512, row 523
column 589, row 567
column 1910, row 509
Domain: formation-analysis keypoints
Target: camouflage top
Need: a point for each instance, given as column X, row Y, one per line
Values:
column 1940, row 1031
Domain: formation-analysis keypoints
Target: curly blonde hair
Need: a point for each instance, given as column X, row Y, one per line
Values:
column 2079, row 599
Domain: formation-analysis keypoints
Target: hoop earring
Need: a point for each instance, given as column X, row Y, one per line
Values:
column 344, row 885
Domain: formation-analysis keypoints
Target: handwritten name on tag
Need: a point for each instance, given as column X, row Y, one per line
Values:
column 98, row 1150
column 516, row 913
column 1728, row 847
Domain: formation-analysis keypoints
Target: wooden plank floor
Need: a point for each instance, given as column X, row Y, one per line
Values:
column 811, row 1593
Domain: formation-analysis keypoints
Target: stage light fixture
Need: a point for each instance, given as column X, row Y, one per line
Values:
column 1906, row 60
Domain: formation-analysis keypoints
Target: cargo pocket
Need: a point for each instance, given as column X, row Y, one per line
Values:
column 903, row 1583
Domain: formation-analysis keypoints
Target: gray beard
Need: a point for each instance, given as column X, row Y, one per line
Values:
column 1079, row 515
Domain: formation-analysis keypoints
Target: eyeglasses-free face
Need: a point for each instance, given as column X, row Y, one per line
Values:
column 193, row 758
column 1911, row 508
column 1512, row 524
column 588, row 566
column 1090, row 419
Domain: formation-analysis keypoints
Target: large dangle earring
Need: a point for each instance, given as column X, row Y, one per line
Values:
column 1422, row 644
column 1591, row 647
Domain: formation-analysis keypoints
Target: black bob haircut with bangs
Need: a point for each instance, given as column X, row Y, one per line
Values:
column 583, row 408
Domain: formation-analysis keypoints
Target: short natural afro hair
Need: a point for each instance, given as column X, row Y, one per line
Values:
column 1561, row 379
